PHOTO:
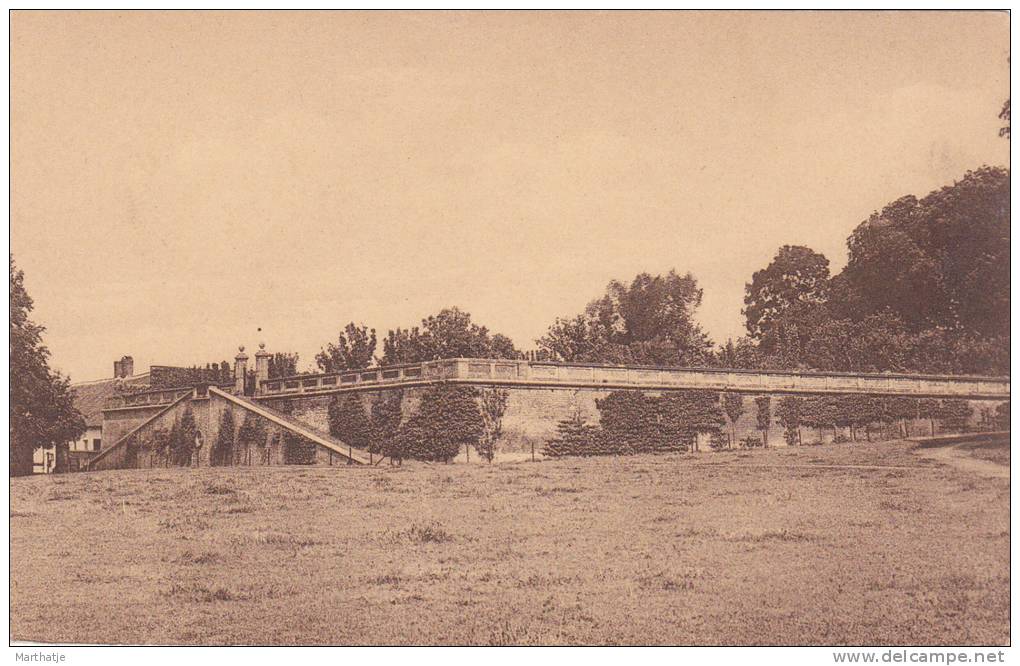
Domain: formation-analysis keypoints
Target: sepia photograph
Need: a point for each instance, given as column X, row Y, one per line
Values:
column 510, row 328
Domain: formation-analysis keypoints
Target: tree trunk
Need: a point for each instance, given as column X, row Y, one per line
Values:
column 60, row 463
column 21, row 459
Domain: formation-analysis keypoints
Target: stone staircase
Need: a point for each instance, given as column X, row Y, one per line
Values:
column 299, row 427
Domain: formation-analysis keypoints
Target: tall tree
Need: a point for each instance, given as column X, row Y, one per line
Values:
column 448, row 334
column 733, row 405
column 797, row 277
column 42, row 412
column 283, row 364
column 648, row 321
column 354, row 349
column 348, row 421
column 763, row 416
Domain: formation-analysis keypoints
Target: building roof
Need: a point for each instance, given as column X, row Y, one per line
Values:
column 91, row 397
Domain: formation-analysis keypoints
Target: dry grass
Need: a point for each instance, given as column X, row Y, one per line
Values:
column 725, row 548
column 996, row 451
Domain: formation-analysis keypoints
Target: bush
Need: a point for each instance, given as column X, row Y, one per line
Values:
column 718, row 441
column 574, row 438
column 954, row 415
column 493, row 408
column 840, row 439
column 447, row 419
column 751, row 442
column 1002, row 416
column 252, row 434
column 348, row 421
column 385, row 420
column 630, row 423
column 635, row 423
column 297, row 449
column 222, row 452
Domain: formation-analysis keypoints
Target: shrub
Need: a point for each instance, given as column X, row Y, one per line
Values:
column 751, row 442
column 297, row 449
column 789, row 414
column 630, row 423
column 385, row 421
column 684, row 414
column 840, row 439
column 222, row 452
column 348, row 421
column 955, row 414
column 252, row 434
column 493, row 407
column 633, row 422
column 182, row 439
column 1002, row 416
column 763, row 415
column 447, row 419
column 573, row 438
column 718, row 441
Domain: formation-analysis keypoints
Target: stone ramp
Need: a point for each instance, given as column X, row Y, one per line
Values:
column 296, row 426
column 118, row 447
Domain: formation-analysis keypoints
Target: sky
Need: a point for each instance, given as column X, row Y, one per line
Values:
column 181, row 180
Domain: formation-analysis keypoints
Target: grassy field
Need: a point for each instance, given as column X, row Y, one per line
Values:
column 840, row 544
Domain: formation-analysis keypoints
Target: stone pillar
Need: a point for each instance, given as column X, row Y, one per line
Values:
column 261, row 367
column 240, row 370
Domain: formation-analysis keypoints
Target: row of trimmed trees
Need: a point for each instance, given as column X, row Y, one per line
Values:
column 633, row 422
column 447, row 420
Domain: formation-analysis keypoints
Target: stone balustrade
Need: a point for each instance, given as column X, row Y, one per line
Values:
column 548, row 374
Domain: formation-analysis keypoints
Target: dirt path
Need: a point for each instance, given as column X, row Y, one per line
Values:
column 952, row 455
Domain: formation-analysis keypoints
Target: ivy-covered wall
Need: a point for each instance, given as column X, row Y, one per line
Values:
column 532, row 417
column 533, row 414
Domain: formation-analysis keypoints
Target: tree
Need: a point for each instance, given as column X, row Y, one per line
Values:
column 630, row 423
column 902, row 409
column 789, row 414
column 448, row 334
column 743, row 354
column 941, row 262
column 493, row 404
column 447, row 419
column 386, row 417
column 929, row 409
column 252, row 434
column 348, row 421
column 42, row 411
column 182, row 439
column 763, row 416
column 1004, row 116
column 954, row 415
column 283, row 364
column 222, row 452
column 649, row 321
column 354, row 349
column 797, row 276
column 733, row 405
column 573, row 438
column 682, row 415
column 1002, row 416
